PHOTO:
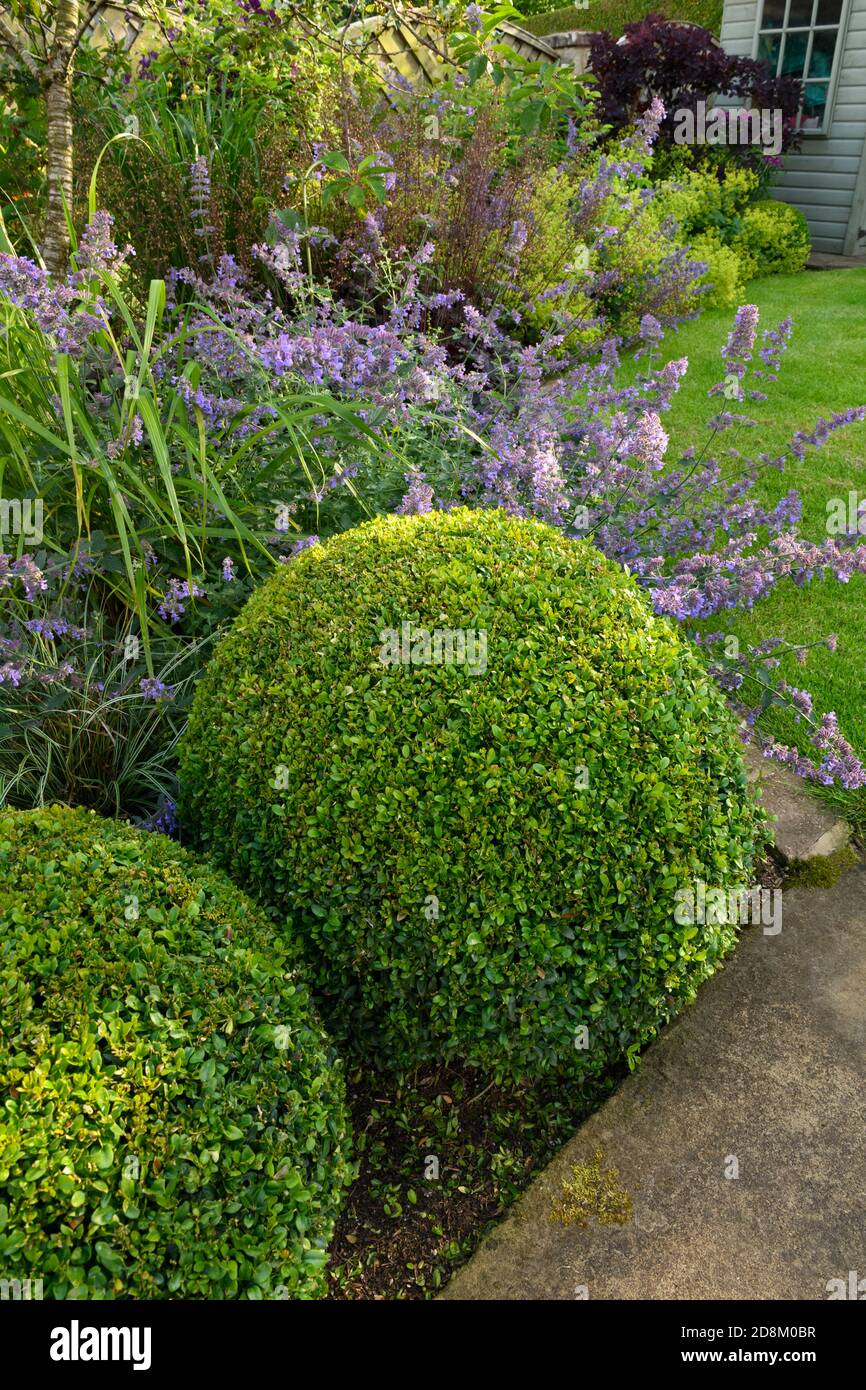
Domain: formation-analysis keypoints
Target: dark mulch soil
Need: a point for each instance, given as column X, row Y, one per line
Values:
column 770, row 872
column 404, row 1228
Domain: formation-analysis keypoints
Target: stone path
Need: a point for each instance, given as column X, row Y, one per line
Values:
column 768, row 1068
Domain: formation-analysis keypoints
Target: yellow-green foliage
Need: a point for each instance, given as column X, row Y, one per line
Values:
column 737, row 237
column 700, row 200
column 460, row 899
column 775, row 237
column 727, row 273
column 551, row 246
column 635, row 254
column 173, row 1121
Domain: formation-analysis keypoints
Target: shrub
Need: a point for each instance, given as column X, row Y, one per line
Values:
column 173, row 1122
column 726, row 272
column 710, row 207
column 708, row 200
column 684, row 64
column 775, row 236
column 459, row 894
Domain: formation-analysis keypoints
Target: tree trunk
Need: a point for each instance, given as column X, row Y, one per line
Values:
column 58, row 101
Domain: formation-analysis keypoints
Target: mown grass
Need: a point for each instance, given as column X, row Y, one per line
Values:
column 824, row 370
column 616, row 14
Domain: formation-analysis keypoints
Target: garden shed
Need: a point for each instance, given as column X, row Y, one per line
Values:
column 824, row 43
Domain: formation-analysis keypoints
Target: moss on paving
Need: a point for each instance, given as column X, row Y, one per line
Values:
column 593, row 1191
column 823, row 871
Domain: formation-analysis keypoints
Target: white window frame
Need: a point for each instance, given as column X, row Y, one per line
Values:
column 812, row 28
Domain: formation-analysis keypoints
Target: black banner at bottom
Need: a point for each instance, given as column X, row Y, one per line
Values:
column 85, row 1340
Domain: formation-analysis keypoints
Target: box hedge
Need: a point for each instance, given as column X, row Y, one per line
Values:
column 172, row 1122
column 482, row 864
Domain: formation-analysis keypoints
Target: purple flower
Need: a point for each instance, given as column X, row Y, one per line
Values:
column 172, row 608
column 650, row 329
column 11, row 673
column 418, row 497
column 154, row 689
column 303, row 544
column 474, row 17
column 97, row 251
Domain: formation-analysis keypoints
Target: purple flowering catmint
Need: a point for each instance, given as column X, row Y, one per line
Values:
column 154, row 689
column 474, row 17
column 418, row 497
column 517, row 239
column 738, row 349
column 97, row 251
column 54, row 305
column 200, row 199
column 32, row 579
column 172, row 607
column 303, row 544
column 650, row 329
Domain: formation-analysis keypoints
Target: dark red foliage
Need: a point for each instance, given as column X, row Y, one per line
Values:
column 683, row 64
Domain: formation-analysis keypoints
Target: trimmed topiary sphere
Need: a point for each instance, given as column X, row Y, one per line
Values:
column 172, row 1123
column 464, row 756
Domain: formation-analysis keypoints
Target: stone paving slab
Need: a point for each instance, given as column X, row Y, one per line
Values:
column 768, row 1066
column 804, row 828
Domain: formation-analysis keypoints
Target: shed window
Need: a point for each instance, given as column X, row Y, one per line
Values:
column 800, row 38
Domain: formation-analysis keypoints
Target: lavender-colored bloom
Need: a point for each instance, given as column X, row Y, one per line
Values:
column 200, row 196
column 517, row 239
column 164, row 821
column 172, row 608
column 738, row 349
column 651, row 330
column 154, row 689
column 418, row 497
column 303, row 544
column 97, row 251
column 474, row 17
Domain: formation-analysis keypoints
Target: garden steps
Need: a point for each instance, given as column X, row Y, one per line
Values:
column 804, row 827
column 767, row 1068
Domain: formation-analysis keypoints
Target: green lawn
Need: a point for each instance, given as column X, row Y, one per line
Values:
column 824, row 370
column 616, row 14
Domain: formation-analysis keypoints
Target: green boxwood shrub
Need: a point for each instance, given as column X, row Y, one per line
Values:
column 172, row 1122
column 461, row 893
